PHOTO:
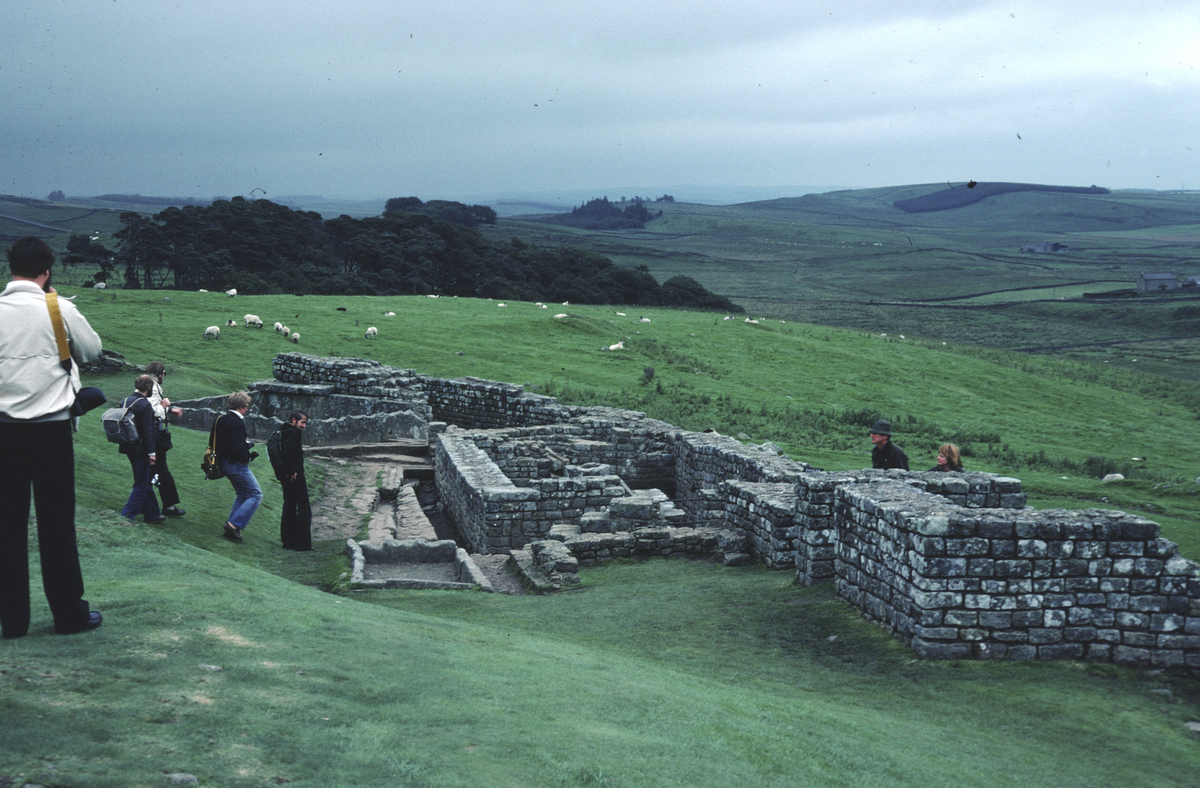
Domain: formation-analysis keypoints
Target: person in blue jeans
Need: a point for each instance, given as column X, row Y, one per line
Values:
column 142, row 454
column 234, row 450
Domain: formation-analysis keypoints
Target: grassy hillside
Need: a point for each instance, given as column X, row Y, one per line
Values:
column 853, row 259
column 226, row 661
column 811, row 389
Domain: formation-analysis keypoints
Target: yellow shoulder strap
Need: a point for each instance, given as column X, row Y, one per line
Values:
column 60, row 331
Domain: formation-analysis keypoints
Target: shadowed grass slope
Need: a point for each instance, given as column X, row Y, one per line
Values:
column 659, row 673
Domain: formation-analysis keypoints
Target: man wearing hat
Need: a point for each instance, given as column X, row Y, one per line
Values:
column 36, row 395
column 886, row 454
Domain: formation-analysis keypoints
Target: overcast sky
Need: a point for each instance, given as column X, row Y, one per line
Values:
column 451, row 100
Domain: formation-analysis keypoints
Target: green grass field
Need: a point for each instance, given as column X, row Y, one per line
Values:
column 851, row 259
column 247, row 666
column 652, row 673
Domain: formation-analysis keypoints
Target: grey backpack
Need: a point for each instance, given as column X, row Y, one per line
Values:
column 119, row 425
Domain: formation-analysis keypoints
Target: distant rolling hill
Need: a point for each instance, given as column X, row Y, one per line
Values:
column 994, row 206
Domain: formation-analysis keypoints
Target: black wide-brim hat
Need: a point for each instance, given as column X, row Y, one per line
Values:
column 881, row 427
column 88, row 398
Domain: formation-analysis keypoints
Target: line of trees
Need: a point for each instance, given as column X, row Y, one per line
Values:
column 261, row 247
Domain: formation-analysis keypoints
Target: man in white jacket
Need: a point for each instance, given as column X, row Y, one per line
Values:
column 36, row 449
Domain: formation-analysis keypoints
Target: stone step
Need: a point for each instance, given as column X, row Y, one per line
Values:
column 563, row 531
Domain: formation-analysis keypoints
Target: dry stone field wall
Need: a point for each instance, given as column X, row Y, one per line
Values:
column 953, row 563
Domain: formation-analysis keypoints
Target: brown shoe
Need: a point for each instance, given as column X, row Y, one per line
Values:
column 232, row 533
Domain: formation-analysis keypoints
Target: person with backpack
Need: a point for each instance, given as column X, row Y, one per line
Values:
column 142, row 453
column 286, row 453
column 234, row 450
column 38, row 385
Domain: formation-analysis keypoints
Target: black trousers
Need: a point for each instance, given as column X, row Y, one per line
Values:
column 39, row 457
column 166, row 482
column 295, row 527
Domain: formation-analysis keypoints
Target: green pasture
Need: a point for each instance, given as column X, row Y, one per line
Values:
column 244, row 665
column 852, row 260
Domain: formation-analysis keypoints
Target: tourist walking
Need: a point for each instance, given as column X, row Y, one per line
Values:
column 295, row 525
column 234, row 451
column 142, row 454
column 162, row 408
column 38, row 385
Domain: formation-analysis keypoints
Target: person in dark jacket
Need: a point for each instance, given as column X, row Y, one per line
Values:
column 948, row 459
column 143, row 454
column 162, row 408
column 234, row 450
column 295, row 526
column 886, row 454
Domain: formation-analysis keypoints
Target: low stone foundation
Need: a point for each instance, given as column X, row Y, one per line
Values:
column 952, row 562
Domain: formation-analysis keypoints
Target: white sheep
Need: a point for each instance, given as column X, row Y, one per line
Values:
column 643, row 320
column 372, row 332
column 501, row 305
column 296, row 337
column 561, row 315
column 253, row 320
column 231, row 292
column 389, row 314
column 230, row 322
column 431, row 296
column 752, row 322
column 285, row 332
column 212, row 332
column 99, row 286
column 278, row 327
column 202, row 290
column 619, row 346
column 622, row 314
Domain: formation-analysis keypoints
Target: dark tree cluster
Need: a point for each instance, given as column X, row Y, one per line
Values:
column 600, row 214
column 261, row 247
column 446, row 210
column 86, row 250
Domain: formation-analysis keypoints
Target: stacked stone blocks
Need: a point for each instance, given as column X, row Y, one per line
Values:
column 1094, row 585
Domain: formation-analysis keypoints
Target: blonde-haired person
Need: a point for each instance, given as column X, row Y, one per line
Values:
column 234, row 450
column 948, row 458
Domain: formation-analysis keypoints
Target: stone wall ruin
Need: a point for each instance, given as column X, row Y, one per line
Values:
column 953, row 563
